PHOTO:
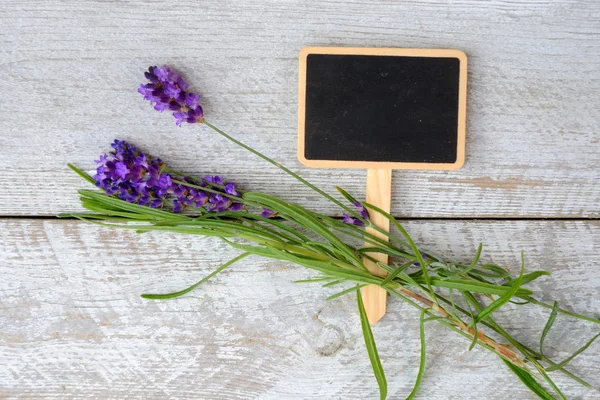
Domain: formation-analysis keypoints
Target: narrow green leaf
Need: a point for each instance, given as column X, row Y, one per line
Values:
column 529, row 381
column 82, row 174
column 396, row 272
column 451, row 296
column 528, row 278
column 371, row 348
column 504, row 298
column 304, row 218
column 572, row 356
column 475, row 260
column 492, row 275
column 519, row 303
column 347, row 195
column 548, row 326
column 560, row 310
column 413, row 246
column 474, row 286
column 277, row 224
column 317, row 279
column 475, row 337
column 278, row 165
column 195, row 285
column 421, row 372
column 359, row 233
column 334, row 283
column 346, row 291
column 367, row 250
column 123, row 205
column 324, row 267
column 352, row 200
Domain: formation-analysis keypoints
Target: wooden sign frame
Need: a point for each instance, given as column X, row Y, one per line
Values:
column 438, row 53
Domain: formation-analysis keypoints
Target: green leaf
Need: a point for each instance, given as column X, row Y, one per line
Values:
column 325, row 267
column 396, row 272
column 421, row 372
column 528, row 380
column 368, row 250
column 351, row 199
column 347, row 195
column 123, row 205
column 504, row 298
column 346, row 291
column 561, row 310
column 577, row 352
column 317, row 279
column 474, row 262
column 304, row 218
column 195, row 285
column 475, row 334
column 413, row 246
column 528, row 278
column 334, row 283
column 548, row 326
column 474, row 286
column 281, row 167
column 277, row 224
column 82, row 174
column 371, row 348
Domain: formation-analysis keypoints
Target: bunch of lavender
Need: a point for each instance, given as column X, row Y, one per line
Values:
column 463, row 298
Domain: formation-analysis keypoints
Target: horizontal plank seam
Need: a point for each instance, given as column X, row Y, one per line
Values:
column 461, row 218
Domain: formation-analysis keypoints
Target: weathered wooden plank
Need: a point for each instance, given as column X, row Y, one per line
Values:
column 70, row 73
column 73, row 326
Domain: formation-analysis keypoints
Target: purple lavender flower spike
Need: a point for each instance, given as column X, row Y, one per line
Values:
column 361, row 209
column 267, row 213
column 230, row 189
column 214, row 179
column 177, row 206
column 236, row 207
column 424, row 256
column 164, row 182
column 353, row 221
column 101, row 159
column 192, row 100
column 136, row 178
column 167, row 90
column 156, row 203
column 121, row 170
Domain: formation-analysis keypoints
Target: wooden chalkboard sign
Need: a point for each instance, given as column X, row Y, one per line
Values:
column 381, row 109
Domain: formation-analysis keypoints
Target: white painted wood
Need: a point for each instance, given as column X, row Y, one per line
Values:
column 70, row 71
column 73, row 326
column 71, row 322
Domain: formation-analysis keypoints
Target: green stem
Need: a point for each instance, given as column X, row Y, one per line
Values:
column 353, row 212
column 281, row 167
column 529, row 349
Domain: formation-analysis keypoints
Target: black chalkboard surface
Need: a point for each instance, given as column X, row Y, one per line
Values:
column 382, row 108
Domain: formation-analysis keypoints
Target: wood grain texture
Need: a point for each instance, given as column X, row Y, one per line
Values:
column 72, row 324
column 378, row 193
column 70, row 71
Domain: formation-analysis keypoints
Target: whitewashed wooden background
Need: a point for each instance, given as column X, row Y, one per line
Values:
column 72, row 325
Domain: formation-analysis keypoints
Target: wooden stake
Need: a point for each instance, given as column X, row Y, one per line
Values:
column 379, row 187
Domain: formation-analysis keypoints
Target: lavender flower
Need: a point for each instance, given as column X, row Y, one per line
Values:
column 167, row 90
column 424, row 257
column 136, row 178
column 361, row 210
column 267, row 213
column 355, row 221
